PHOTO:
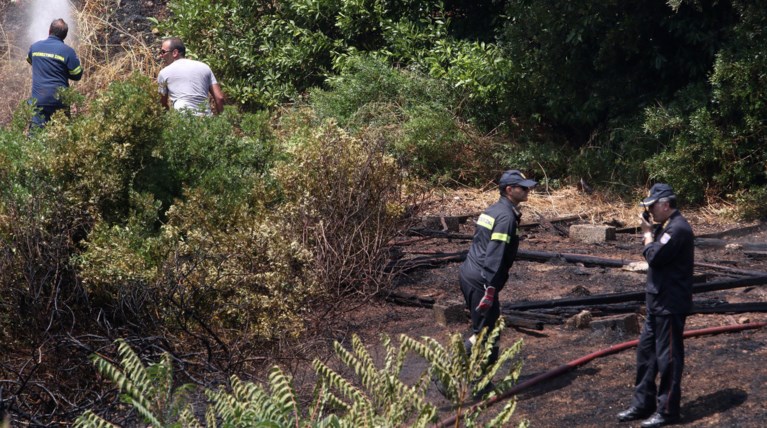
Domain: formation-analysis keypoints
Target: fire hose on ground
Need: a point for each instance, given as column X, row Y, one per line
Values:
column 585, row 359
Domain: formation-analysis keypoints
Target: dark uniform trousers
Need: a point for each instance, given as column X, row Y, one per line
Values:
column 473, row 295
column 660, row 351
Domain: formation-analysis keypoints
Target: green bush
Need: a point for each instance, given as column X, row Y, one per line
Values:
column 261, row 57
column 243, row 273
column 691, row 158
column 751, row 203
column 39, row 227
column 432, row 144
column 97, row 157
column 414, row 116
column 343, row 195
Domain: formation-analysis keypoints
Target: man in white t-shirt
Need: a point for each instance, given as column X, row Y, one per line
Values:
column 185, row 83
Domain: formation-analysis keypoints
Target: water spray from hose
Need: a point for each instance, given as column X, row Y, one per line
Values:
column 40, row 14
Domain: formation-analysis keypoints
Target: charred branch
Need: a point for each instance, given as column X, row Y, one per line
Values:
column 636, row 296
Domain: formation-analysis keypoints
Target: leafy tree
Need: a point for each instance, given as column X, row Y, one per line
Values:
column 713, row 143
column 580, row 64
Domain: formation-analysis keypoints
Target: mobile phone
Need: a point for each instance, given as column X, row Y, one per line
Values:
column 646, row 216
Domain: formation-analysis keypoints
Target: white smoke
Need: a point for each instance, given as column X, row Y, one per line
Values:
column 40, row 14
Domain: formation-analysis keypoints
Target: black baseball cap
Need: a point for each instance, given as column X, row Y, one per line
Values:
column 514, row 177
column 658, row 191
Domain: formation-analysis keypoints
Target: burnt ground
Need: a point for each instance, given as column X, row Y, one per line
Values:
column 724, row 377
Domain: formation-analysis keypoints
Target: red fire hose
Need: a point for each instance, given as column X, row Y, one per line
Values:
column 585, row 359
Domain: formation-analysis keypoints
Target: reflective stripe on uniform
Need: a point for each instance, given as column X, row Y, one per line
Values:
column 76, row 71
column 501, row 237
column 49, row 55
column 486, row 221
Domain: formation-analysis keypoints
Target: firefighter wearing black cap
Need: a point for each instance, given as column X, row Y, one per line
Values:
column 484, row 272
column 54, row 64
column 669, row 251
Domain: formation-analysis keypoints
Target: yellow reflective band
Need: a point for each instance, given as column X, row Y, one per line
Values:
column 76, row 71
column 486, row 221
column 49, row 55
column 501, row 237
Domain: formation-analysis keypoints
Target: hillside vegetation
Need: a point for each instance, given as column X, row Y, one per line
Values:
column 227, row 240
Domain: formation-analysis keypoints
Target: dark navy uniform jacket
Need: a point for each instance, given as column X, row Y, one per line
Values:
column 670, row 257
column 494, row 246
column 53, row 65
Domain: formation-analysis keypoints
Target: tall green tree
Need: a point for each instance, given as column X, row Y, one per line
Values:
column 579, row 64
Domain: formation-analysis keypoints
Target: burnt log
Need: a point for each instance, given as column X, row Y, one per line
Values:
column 544, row 318
column 731, row 270
column 410, row 300
column 735, row 232
column 757, row 255
column 514, row 321
column 418, row 231
column 544, row 256
column 636, row 296
column 731, row 308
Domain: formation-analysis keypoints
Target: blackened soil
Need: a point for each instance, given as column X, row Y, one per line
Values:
column 724, row 376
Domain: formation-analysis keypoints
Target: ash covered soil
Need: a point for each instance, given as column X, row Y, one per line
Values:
column 724, row 376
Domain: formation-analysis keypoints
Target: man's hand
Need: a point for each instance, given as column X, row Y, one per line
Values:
column 487, row 300
column 646, row 227
column 645, row 224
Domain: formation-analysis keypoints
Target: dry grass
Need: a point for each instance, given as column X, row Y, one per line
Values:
column 596, row 208
column 104, row 62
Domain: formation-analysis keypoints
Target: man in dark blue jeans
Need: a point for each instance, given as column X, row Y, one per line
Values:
column 54, row 64
column 670, row 254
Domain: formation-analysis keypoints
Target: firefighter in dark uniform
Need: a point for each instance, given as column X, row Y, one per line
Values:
column 484, row 272
column 669, row 251
column 54, row 64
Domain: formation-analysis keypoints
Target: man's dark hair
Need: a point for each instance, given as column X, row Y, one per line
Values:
column 176, row 43
column 59, row 28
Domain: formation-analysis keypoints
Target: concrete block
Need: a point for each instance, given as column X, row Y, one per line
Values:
column 592, row 233
column 628, row 323
column 449, row 313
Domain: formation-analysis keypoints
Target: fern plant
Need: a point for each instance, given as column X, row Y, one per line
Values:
column 382, row 399
column 149, row 390
column 377, row 397
column 462, row 376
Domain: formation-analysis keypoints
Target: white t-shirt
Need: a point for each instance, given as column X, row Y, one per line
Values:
column 187, row 83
